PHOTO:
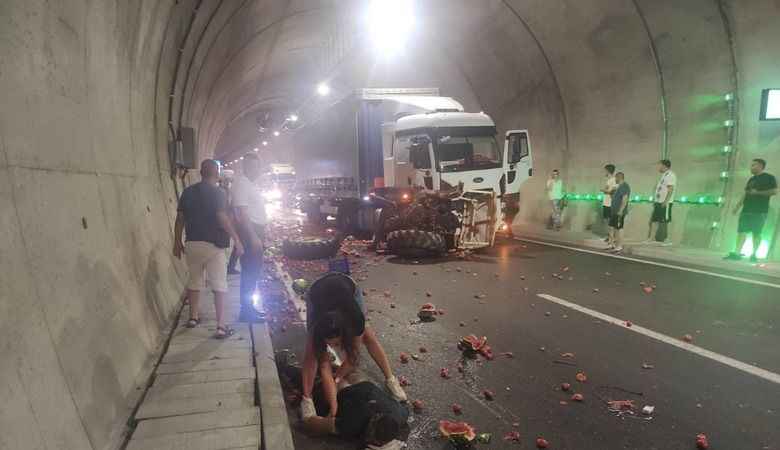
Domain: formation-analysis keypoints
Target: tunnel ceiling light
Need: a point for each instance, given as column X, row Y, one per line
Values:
column 265, row 143
column 256, row 149
column 276, row 133
column 389, row 24
column 323, row 89
column 293, row 118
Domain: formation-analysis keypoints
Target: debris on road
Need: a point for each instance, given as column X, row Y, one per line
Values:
column 581, row 377
column 629, row 324
column 404, row 358
column 427, row 312
column 458, row 433
column 648, row 289
column 512, row 436
column 702, row 442
column 687, row 338
column 596, row 290
column 542, row 443
column 417, row 405
column 648, row 410
column 567, row 355
column 508, row 355
column 415, row 356
column 621, row 405
column 488, row 394
column 484, row 438
column 423, row 350
column 444, row 372
column 471, row 346
column 577, row 398
column 647, row 366
column 457, row 409
column 403, row 381
column 565, row 387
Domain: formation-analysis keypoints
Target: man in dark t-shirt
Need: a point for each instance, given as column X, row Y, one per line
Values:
column 755, row 208
column 202, row 214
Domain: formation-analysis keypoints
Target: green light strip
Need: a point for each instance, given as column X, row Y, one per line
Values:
column 690, row 200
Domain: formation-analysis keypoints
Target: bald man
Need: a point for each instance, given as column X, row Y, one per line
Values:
column 202, row 214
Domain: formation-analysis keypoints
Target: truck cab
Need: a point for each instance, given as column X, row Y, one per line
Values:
column 439, row 151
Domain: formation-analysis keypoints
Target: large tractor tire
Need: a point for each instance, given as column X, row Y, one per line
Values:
column 416, row 243
column 310, row 248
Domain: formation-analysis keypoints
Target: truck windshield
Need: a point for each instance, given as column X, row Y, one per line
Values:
column 463, row 153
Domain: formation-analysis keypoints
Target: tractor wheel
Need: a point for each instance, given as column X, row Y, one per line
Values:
column 415, row 243
column 310, row 248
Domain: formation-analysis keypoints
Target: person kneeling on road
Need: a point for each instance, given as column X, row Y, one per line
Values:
column 336, row 318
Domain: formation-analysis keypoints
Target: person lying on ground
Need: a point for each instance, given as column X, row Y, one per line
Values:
column 365, row 411
column 335, row 317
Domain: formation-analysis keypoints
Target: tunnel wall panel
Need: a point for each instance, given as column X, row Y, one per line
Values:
column 85, row 208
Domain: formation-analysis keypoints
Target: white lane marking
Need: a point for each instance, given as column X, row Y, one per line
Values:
column 731, row 362
column 653, row 263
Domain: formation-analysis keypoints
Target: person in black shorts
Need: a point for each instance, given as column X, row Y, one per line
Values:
column 662, row 203
column 755, row 208
column 608, row 189
column 335, row 318
column 620, row 198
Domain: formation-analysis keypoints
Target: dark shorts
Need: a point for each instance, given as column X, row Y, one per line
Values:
column 751, row 223
column 616, row 221
column 661, row 213
column 606, row 212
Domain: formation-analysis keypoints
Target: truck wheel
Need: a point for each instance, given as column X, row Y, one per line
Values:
column 415, row 243
column 309, row 248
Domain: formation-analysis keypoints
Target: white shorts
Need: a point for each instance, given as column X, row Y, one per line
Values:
column 206, row 261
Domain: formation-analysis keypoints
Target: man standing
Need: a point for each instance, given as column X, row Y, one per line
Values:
column 555, row 194
column 755, row 207
column 620, row 198
column 202, row 213
column 249, row 208
column 608, row 190
column 664, row 199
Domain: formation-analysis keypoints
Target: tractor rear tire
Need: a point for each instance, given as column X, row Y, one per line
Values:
column 310, row 248
column 416, row 243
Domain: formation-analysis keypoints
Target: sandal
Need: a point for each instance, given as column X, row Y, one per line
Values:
column 192, row 323
column 223, row 332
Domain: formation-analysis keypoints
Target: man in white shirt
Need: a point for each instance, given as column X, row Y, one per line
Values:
column 555, row 194
column 664, row 199
column 249, row 208
column 609, row 188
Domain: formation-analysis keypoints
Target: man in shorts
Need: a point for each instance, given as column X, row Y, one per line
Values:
column 202, row 214
column 608, row 189
column 755, row 208
column 664, row 199
column 620, row 198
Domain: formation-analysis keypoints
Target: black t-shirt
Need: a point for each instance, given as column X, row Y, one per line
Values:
column 200, row 204
column 758, row 204
column 336, row 292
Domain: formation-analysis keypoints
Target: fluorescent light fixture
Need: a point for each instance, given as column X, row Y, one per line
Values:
column 256, row 149
column 241, row 158
column 265, row 143
column 293, row 118
column 323, row 89
column 276, row 133
column 389, row 24
column 770, row 104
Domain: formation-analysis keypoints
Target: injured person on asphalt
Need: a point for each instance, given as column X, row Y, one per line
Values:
column 365, row 411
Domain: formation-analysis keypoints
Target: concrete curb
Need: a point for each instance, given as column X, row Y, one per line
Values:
column 277, row 434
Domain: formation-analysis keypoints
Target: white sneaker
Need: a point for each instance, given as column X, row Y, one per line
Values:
column 665, row 244
column 307, row 408
column 616, row 249
column 395, row 389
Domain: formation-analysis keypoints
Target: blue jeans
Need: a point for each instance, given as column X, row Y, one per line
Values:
column 251, row 272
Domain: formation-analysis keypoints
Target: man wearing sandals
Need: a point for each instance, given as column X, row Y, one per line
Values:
column 202, row 214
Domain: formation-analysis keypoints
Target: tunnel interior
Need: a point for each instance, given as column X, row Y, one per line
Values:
column 94, row 92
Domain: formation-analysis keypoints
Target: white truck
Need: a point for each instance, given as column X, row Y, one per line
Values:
column 429, row 174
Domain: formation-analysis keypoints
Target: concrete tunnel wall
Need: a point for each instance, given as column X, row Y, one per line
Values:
column 91, row 90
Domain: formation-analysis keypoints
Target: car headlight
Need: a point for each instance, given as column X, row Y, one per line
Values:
column 273, row 194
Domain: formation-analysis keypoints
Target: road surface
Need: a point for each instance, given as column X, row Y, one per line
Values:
column 541, row 303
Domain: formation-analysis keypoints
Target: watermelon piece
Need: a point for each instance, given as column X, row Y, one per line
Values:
column 457, row 431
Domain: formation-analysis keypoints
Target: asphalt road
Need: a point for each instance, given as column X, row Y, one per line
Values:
column 691, row 393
